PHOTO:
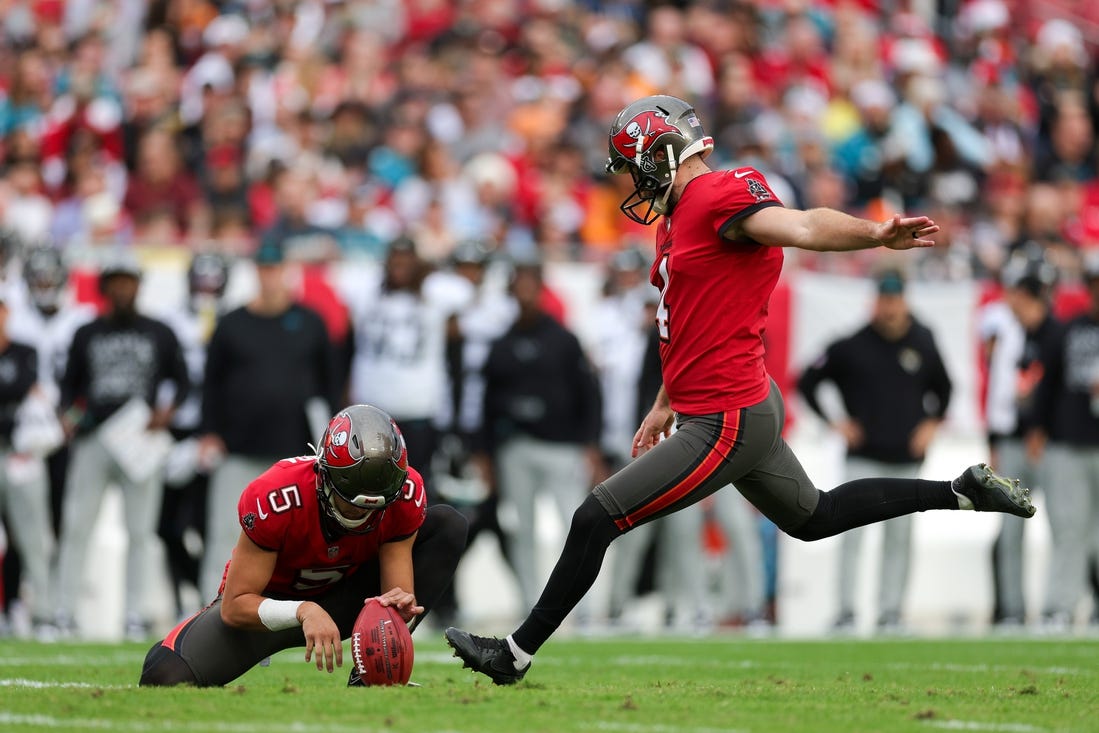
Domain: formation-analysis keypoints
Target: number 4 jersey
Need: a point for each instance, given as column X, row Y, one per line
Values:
column 714, row 294
column 280, row 511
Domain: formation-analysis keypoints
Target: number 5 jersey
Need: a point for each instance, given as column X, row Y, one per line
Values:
column 279, row 511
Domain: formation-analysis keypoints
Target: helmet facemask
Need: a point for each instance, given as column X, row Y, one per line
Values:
column 374, row 504
column 650, row 139
column 649, row 199
column 361, row 462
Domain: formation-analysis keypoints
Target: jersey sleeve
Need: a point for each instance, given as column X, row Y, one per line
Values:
column 737, row 194
column 404, row 516
column 263, row 512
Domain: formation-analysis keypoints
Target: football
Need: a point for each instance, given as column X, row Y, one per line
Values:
column 381, row 646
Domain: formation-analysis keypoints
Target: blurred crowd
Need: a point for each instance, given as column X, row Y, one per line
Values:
column 207, row 125
column 431, row 140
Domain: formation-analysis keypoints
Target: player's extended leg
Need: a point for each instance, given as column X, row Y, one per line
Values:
column 705, row 454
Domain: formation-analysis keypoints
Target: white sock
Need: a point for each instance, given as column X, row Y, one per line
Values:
column 522, row 659
column 964, row 502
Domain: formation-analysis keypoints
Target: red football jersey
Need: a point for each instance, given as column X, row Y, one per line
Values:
column 280, row 511
column 713, row 294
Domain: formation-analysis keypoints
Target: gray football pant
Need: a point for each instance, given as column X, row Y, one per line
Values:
column 1072, row 505
column 527, row 468
column 227, row 482
column 1012, row 461
column 91, row 470
column 24, row 495
column 896, row 547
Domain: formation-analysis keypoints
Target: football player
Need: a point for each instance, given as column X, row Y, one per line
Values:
column 320, row 534
column 718, row 257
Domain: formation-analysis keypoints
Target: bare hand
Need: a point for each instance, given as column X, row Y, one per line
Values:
column 160, row 419
column 656, row 425
column 851, row 431
column 321, row 635
column 403, row 601
column 907, row 233
column 1034, row 443
column 921, row 437
column 211, row 449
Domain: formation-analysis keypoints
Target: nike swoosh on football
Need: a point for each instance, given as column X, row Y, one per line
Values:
column 740, row 174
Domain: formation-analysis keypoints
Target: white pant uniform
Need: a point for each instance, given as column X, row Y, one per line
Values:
column 1072, row 505
column 222, row 519
column 526, row 468
column 91, row 470
column 24, row 496
column 682, row 557
column 896, row 544
column 1011, row 460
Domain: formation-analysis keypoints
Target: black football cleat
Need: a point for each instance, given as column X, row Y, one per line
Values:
column 990, row 492
column 489, row 656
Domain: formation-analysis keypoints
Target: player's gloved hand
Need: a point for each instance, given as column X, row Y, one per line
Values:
column 321, row 636
column 403, row 601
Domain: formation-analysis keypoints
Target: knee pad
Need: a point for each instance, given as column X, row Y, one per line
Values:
column 164, row 668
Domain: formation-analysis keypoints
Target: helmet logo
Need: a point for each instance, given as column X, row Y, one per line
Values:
column 636, row 138
column 337, row 451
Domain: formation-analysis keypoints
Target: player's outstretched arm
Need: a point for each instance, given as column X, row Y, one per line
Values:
column 829, row 230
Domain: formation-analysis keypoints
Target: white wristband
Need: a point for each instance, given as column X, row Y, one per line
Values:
column 279, row 615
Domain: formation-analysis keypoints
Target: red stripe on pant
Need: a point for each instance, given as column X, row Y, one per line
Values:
column 714, row 460
column 173, row 635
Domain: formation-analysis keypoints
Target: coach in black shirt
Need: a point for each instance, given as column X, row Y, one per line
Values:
column 265, row 362
column 895, row 389
column 541, row 419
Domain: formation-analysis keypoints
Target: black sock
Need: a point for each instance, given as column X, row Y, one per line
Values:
column 590, row 535
column 870, row 500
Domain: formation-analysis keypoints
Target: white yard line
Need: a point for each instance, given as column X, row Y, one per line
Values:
column 643, row 728
column 49, row 721
column 983, row 668
column 43, row 685
column 981, row 726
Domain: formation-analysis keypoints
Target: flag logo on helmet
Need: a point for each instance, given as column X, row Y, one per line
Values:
column 636, row 139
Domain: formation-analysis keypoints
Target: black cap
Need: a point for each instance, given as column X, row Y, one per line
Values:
column 1028, row 270
column 269, row 252
column 890, row 282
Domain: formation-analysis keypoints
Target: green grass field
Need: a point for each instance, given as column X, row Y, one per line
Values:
column 643, row 685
